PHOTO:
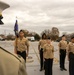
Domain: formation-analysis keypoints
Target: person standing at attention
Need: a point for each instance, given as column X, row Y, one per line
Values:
column 48, row 54
column 41, row 44
column 71, row 56
column 22, row 45
column 62, row 52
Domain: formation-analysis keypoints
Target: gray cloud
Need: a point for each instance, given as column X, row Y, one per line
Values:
column 38, row 15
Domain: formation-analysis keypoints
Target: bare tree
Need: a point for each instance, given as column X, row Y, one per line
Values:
column 53, row 33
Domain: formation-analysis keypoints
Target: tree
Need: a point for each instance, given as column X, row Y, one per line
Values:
column 10, row 37
column 37, row 37
column 47, row 32
column 53, row 33
column 26, row 32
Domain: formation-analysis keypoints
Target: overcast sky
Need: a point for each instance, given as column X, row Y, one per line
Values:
column 37, row 15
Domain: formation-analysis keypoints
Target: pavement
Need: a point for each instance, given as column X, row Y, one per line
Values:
column 33, row 61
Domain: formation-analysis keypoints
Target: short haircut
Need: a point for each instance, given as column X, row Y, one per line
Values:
column 63, row 35
column 43, row 36
column 21, row 31
column 72, row 37
column 49, row 38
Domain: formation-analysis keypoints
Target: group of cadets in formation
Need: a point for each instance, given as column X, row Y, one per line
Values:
column 46, row 50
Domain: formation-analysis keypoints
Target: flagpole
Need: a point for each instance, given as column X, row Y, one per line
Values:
column 16, row 17
column 16, row 35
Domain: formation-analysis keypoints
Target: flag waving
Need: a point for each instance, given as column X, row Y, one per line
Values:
column 16, row 28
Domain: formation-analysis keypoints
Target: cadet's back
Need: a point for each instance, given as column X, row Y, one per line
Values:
column 11, row 64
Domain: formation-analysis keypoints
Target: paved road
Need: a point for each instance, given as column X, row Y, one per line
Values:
column 33, row 60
